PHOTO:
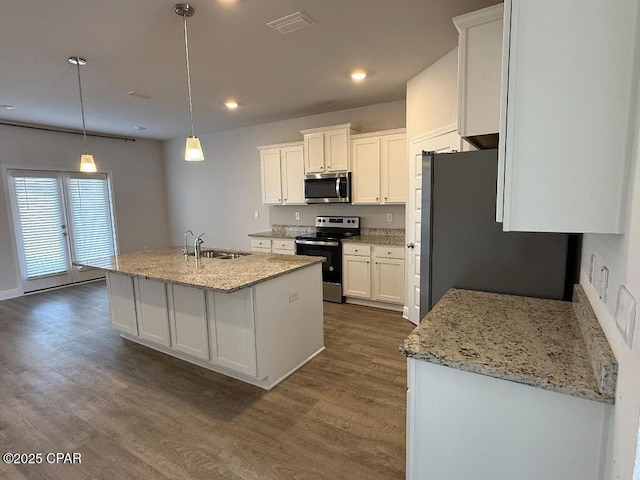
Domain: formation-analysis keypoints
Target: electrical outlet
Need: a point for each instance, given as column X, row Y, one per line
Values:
column 297, row 215
column 604, row 284
column 389, row 217
column 293, row 296
column 592, row 270
column 626, row 314
column 256, row 215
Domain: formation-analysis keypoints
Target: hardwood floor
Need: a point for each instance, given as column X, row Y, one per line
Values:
column 69, row 383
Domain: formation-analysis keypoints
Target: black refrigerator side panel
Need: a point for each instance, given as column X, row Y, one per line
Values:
column 425, row 235
column 470, row 250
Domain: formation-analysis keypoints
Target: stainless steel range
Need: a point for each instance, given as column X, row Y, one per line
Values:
column 327, row 242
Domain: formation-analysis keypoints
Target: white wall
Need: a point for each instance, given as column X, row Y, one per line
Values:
column 137, row 176
column 621, row 255
column 220, row 195
column 432, row 96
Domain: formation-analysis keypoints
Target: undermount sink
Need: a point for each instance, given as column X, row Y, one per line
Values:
column 220, row 254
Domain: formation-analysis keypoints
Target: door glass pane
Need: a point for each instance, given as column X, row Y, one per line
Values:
column 90, row 218
column 39, row 208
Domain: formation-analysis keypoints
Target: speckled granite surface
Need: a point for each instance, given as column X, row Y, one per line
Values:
column 379, row 236
column 284, row 231
column 603, row 362
column 527, row 340
column 212, row 273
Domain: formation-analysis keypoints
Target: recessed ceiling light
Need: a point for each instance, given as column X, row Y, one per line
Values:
column 231, row 104
column 139, row 128
column 358, row 75
column 8, row 107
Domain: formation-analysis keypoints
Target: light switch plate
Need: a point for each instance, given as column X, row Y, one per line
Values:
column 626, row 314
column 256, row 215
column 604, row 284
column 389, row 217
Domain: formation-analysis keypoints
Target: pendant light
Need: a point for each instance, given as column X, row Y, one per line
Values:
column 193, row 150
column 87, row 164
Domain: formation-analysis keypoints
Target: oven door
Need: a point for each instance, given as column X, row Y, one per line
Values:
column 332, row 251
column 327, row 188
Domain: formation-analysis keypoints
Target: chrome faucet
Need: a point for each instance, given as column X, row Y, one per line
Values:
column 197, row 244
column 185, row 250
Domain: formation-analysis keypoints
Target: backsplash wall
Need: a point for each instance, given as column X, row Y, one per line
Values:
column 371, row 216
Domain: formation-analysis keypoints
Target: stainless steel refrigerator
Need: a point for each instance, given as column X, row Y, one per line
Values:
column 463, row 246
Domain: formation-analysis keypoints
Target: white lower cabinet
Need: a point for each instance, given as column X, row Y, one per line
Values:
column 261, row 245
column 463, row 425
column 382, row 283
column 122, row 300
column 188, row 320
column 232, row 330
column 153, row 318
column 281, row 246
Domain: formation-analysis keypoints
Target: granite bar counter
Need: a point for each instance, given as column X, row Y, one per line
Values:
column 502, row 387
column 390, row 237
column 220, row 275
column 256, row 317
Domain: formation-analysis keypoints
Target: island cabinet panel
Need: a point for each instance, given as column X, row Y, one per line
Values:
column 122, row 301
column 232, row 330
column 188, row 320
column 465, row 425
column 153, row 318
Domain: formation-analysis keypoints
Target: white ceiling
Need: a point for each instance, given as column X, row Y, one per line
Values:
column 138, row 45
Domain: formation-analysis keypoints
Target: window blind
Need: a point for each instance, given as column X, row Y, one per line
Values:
column 39, row 205
column 90, row 218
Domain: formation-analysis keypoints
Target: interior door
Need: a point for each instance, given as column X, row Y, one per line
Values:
column 40, row 226
column 442, row 140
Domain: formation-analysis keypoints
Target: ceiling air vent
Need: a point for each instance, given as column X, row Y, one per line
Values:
column 291, row 23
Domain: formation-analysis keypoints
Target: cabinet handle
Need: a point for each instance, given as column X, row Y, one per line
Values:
column 410, row 245
column 385, row 198
column 377, row 199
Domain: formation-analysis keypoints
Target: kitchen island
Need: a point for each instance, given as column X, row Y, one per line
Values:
column 503, row 387
column 252, row 316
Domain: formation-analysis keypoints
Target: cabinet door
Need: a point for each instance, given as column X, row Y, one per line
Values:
column 122, row 301
column 188, row 314
column 479, row 71
column 356, row 276
column 388, row 280
column 292, row 160
column 314, row 152
column 365, row 155
column 270, row 176
column 153, row 319
column 394, row 166
column 336, row 150
column 558, row 87
column 232, row 330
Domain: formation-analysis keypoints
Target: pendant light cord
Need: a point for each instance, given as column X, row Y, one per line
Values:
column 84, row 129
column 186, row 51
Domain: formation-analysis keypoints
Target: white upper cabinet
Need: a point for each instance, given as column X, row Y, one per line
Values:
column 479, row 75
column 282, row 174
column 379, row 164
column 326, row 149
column 568, row 95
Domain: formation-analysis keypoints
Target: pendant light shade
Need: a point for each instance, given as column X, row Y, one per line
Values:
column 87, row 164
column 193, row 150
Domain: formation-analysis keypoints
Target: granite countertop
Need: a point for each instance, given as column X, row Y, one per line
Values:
column 392, row 237
column 212, row 273
column 274, row 234
column 527, row 340
column 284, row 232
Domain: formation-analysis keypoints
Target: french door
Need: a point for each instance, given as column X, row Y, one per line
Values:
column 60, row 218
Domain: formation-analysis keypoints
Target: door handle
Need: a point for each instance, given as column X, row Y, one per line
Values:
column 410, row 245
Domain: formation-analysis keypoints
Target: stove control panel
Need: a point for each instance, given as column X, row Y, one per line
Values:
column 338, row 222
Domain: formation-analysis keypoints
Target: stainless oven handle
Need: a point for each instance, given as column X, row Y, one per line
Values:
column 338, row 187
column 319, row 243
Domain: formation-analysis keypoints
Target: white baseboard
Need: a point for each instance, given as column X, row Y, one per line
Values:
column 7, row 294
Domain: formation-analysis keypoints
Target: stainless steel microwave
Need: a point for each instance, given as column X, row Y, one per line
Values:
column 327, row 188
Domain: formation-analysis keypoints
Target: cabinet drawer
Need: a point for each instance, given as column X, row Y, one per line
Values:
column 261, row 243
column 356, row 249
column 389, row 252
column 278, row 244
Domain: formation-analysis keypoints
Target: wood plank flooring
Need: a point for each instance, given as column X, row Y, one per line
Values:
column 69, row 383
